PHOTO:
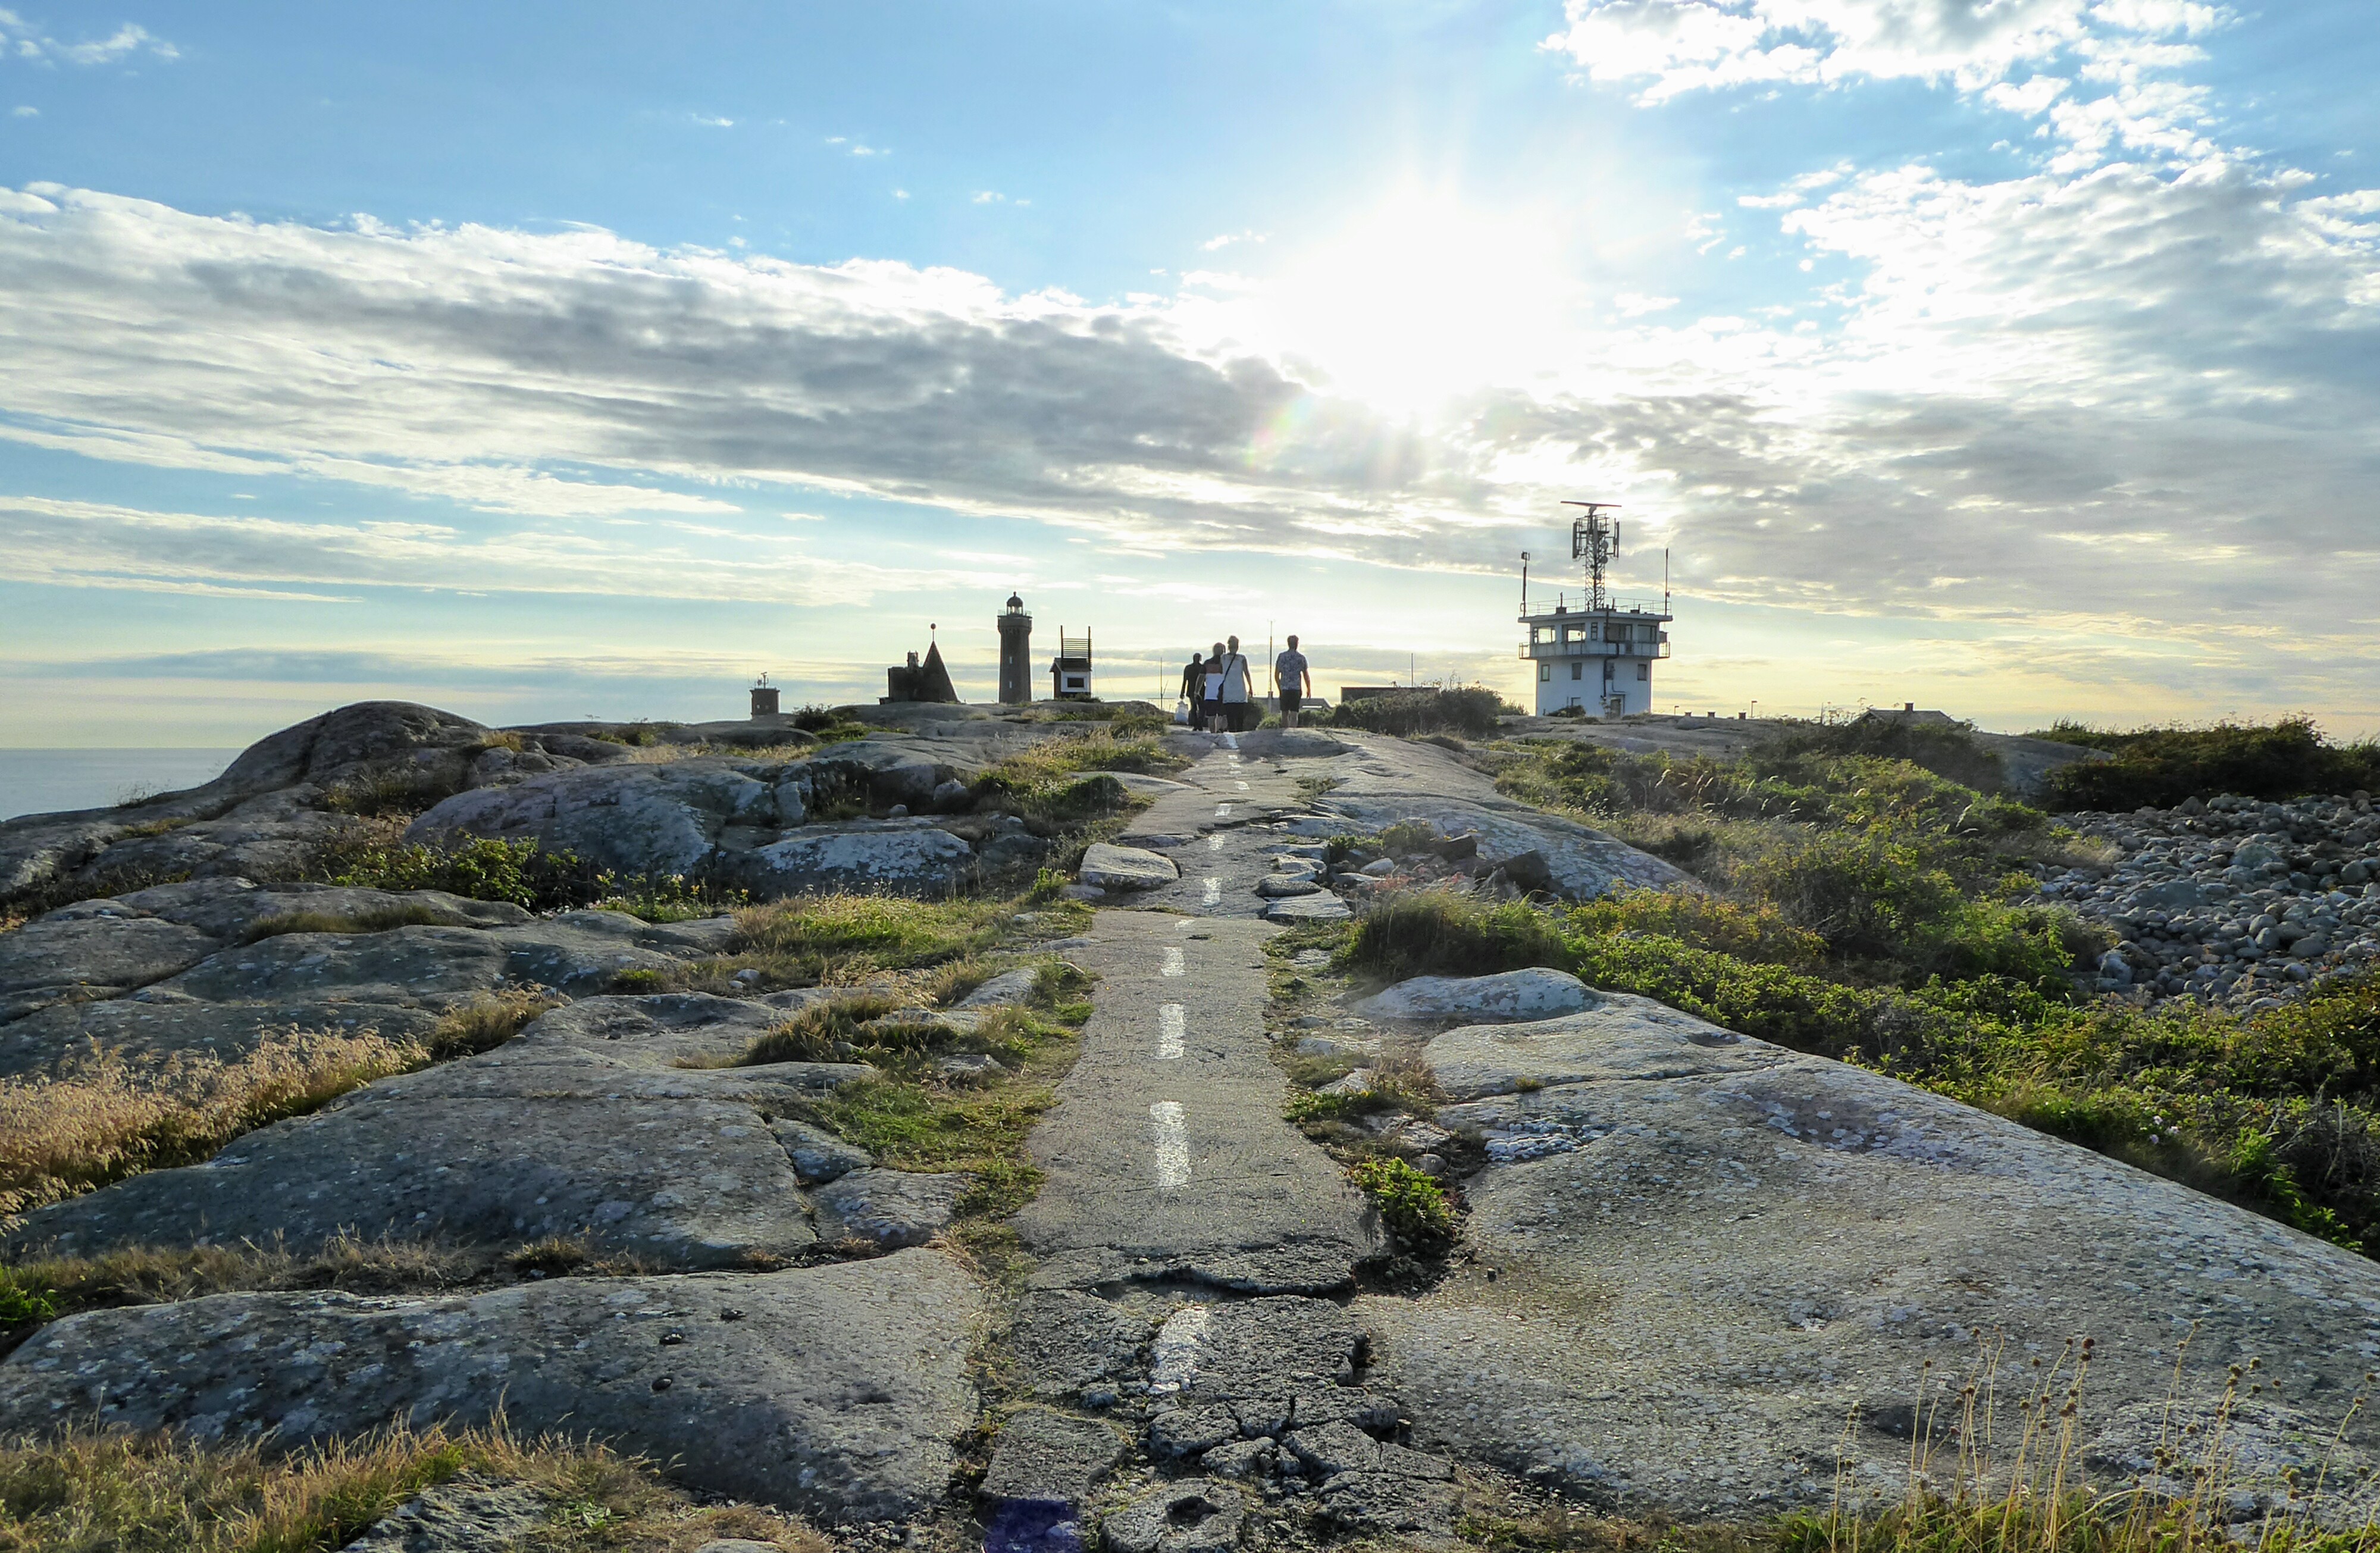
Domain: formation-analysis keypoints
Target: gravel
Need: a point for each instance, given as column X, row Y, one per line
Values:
column 2235, row 902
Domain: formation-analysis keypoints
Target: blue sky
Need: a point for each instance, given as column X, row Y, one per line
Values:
column 537, row 361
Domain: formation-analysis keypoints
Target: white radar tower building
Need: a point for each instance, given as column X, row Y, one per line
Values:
column 1595, row 653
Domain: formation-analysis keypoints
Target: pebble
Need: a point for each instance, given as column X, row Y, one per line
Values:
column 2237, row 902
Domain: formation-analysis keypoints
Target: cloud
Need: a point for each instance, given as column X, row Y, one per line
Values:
column 2017, row 382
column 24, row 110
column 1637, row 304
column 1666, row 48
column 20, row 40
column 1228, row 238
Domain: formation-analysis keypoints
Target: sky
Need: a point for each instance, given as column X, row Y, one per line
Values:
column 545, row 361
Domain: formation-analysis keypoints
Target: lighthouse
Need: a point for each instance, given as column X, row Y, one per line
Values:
column 1596, row 652
column 1015, row 651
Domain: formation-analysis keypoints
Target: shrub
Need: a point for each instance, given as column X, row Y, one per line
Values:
column 1949, row 750
column 397, row 790
column 1411, row 1205
column 1757, row 932
column 2160, row 766
column 1405, row 713
column 1430, row 933
column 479, row 870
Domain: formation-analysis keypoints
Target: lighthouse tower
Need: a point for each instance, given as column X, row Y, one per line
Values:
column 1015, row 648
column 1596, row 652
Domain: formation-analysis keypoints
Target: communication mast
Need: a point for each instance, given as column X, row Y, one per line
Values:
column 1594, row 540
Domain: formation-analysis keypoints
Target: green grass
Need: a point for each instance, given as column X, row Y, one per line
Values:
column 380, row 919
column 911, row 1120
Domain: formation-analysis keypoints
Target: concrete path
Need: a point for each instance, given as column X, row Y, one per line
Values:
column 1236, row 784
column 1167, row 1156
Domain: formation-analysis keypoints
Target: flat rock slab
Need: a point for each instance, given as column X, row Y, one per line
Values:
column 1618, row 1034
column 1707, row 1253
column 889, row 1209
column 1069, row 1342
column 894, row 856
column 1175, row 1161
column 1196, row 1515
column 1108, row 866
column 1051, row 1457
column 1536, row 993
column 836, row 1390
column 465, row 1514
column 1307, row 908
column 582, row 1126
column 1385, row 781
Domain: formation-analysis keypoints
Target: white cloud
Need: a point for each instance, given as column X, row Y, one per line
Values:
column 712, row 121
column 20, row 40
column 24, row 111
column 1637, row 304
column 1669, row 47
column 1226, row 240
column 989, row 197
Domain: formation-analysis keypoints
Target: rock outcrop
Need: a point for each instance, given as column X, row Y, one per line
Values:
column 1697, row 1255
column 836, row 1390
column 585, row 1126
column 286, row 797
column 179, row 969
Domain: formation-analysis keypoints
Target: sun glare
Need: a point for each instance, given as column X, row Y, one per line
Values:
column 1424, row 299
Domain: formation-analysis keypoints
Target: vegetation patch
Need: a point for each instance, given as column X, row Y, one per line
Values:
column 1413, row 713
column 1411, row 1205
column 106, row 1119
column 115, row 1493
column 2278, row 1110
column 916, row 1116
column 487, row 1022
column 846, row 940
column 2162, row 767
column 520, row 872
column 380, row 919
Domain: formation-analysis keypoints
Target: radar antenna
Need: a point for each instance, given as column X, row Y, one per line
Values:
column 1595, row 538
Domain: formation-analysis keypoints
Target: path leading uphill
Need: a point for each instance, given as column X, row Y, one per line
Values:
column 1168, row 1157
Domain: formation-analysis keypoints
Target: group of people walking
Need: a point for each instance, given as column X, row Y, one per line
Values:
column 1220, row 693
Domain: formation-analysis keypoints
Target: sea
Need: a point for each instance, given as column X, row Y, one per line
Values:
column 47, row 781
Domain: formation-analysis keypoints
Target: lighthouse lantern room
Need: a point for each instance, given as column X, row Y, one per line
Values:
column 1596, row 652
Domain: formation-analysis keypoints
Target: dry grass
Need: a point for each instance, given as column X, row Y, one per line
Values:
column 487, row 1022
column 380, row 919
column 107, row 1119
column 42, row 1289
column 112, row 1493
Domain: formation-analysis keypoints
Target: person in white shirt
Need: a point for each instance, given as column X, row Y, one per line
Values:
column 1239, row 690
column 1210, row 705
column 1292, row 681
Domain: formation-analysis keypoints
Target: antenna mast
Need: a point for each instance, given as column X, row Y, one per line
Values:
column 1594, row 539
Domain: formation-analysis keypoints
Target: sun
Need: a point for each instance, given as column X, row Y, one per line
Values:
column 1423, row 298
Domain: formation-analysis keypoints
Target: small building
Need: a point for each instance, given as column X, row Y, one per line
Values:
column 1599, row 661
column 764, row 698
column 1016, row 653
column 1595, row 658
column 1070, row 672
column 915, row 681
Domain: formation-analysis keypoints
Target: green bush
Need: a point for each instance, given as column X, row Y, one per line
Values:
column 1947, row 750
column 479, row 870
column 1411, row 1205
column 2161, row 767
column 1406, row 713
column 1430, row 933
